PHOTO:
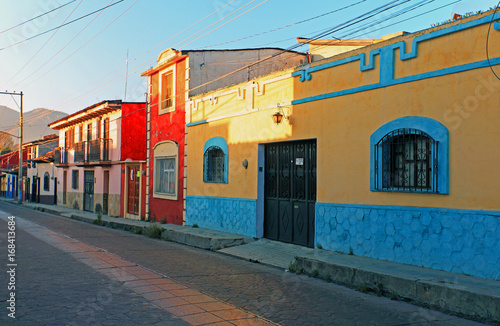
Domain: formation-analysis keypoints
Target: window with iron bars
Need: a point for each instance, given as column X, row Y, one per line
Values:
column 408, row 159
column 213, row 167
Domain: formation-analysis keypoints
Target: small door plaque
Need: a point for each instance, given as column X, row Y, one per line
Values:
column 299, row 161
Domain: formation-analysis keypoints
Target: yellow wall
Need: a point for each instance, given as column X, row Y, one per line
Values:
column 467, row 103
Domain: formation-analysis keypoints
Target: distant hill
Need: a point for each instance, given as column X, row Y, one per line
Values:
column 35, row 123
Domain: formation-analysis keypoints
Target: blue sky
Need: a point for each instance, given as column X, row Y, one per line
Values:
column 80, row 65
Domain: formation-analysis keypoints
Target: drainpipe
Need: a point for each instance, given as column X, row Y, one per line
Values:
column 148, row 145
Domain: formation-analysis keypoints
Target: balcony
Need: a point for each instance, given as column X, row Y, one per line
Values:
column 93, row 151
column 61, row 156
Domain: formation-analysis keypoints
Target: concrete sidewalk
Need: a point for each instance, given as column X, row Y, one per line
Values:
column 462, row 295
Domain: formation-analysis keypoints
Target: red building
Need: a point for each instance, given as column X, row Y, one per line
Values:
column 177, row 76
column 133, row 159
column 165, row 133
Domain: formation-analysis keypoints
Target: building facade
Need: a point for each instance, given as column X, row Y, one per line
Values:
column 89, row 158
column 40, row 185
column 385, row 151
column 178, row 75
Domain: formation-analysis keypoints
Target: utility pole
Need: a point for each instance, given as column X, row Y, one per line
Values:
column 20, row 171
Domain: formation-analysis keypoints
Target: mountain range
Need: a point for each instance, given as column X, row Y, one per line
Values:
column 35, row 123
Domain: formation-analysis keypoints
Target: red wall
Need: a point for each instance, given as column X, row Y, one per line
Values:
column 169, row 126
column 133, row 134
column 133, row 146
column 11, row 160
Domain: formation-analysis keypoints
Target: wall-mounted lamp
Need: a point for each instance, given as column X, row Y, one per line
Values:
column 278, row 116
column 245, row 164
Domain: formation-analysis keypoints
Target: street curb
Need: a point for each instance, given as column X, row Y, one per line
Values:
column 206, row 239
column 447, row 296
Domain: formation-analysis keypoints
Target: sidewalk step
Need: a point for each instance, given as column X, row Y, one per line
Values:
column 461, row 295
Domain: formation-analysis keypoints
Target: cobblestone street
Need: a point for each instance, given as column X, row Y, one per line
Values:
column 73, row 273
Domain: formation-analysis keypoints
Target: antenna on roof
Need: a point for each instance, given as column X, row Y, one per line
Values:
column 126, row 78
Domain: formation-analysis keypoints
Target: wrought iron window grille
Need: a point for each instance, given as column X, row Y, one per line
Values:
column 213, row 167
column 406, row 160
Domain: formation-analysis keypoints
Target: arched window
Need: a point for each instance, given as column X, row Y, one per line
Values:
column 166, row 170
column 410, row 154
column 215, row 161
column 46, row 181
column 407, row 155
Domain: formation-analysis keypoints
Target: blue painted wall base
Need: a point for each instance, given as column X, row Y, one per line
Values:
column 459, row 241
column 233, row 215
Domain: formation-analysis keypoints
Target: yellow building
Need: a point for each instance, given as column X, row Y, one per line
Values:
column 388, row 151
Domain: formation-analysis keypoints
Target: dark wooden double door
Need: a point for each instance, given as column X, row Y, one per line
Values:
column 290, row 192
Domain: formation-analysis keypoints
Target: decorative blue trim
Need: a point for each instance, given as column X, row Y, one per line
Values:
column 417, row 209
column 222, row 144
column 389, row 49
column 496, row 26
column 261, row 150
column 196, row 123
column 402, row 80
column 431, row 127
column 387, row 61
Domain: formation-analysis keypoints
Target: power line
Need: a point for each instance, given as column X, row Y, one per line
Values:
column 488, row 42
column 74, row 52
column 19, row 71
column 192, row 25
column 213, row 30
column 65, row 24
column 94, row 90
column 413, row 17
column 41, row 15
column 286, row 26
column 362, row 17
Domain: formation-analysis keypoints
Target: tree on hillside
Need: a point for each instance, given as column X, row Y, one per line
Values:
column 6, row 143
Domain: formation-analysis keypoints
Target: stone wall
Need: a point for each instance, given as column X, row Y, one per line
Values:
column 459, row 241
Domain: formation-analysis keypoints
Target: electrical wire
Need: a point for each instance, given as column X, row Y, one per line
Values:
column 145, row 62
column 213, row 30
column 361, row 18
column 329, row 31
column 282, row 27
column 110, row 83
column 41, row 15
column 60, row 50
column 192, row 25
column 416, row 16
column 217, row 21
column 74, row 52
column 19, row 71
column 93, row 91
column 65, row 24
column 488, row 43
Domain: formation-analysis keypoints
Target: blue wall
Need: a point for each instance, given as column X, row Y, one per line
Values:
column 233, row 215
column 459, row 241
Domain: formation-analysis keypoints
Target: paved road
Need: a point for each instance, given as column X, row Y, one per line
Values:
column 73, row 273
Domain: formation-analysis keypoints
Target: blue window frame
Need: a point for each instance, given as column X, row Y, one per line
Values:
column 215, row 161
column 410, row 154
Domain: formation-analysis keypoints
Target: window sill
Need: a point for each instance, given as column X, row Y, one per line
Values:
column 164, row 196
column 166, row 110
column 408, row 191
